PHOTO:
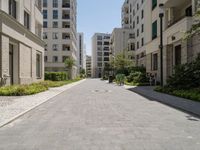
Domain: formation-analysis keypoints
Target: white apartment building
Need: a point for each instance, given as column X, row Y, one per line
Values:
column 60, row 34
column 100, row 53
column 21, row 46
column 81, row 55
column 88, row 66
column 122, row 41
column 143, row 17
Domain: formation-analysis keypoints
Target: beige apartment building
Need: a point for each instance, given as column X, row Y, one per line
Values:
column 21, row 46
column 122, row 41
column 60, row 34
column 143, row 17
column 100, row 53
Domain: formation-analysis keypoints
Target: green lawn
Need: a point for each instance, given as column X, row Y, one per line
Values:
column 34, row 88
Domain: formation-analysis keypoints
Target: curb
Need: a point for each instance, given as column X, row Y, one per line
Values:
column 8, row 121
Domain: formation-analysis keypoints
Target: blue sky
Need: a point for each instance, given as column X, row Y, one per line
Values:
column 98, row 16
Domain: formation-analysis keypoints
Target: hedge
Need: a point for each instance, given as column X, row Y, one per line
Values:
column 56, row 76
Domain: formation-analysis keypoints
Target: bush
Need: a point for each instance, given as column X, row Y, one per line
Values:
column 186, row 76
column 192, row 94
column 21, row 90
column 120, row 78
column 56, row 76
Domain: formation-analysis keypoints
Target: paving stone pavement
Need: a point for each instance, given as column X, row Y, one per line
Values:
column 96, row 115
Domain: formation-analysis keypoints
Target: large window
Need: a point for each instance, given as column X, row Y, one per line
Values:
column 44, row 3
column 45, row 14
column 55, row 14
column 154, row 4
column 55, row 24
column 155, row 62
column 55, row 3
column 55, row 58
column 12, row 8
column 154, row 30
column 26, row 20
column 38, row 65
column 45, row 24
column 55, row 35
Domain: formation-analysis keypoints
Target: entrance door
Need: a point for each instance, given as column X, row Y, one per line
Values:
column 178, row 55
column 11, row 63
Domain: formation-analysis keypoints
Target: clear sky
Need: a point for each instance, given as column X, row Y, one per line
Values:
column 98, row 16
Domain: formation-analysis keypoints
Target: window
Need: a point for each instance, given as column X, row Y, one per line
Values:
column 142, row 15
column 154, row 4
column 106, row 53
column 38, row 65
column 155, row 61
column 99, row 37
column 45, row 14
column 138, row 45
column 45, row 35
column 55, row 58
column 66, row 47
column 65, row 24
column 44, row 3
column 55, row 24
column 106, row 58
column 132, row 46
column 55, row 35
column 142, row 41
column 26, row 20
column 99, row 43
column 178, row 55
column 12, row 8
column 154, row 30
column 142, row 30
column 66, row 36
column 55, row 14
column 138, row 32
column 45, row 24
column 55, row 47
column 55, row 3
column 138, row 20
column 106, row 43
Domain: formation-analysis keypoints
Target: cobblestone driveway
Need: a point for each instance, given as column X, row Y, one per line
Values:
column 98, row 116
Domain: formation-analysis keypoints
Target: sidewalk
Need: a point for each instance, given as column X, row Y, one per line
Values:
column 16, row 107
column 177, row 102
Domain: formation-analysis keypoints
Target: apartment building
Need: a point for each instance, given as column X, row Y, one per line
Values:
column 100, row 53
column 81, row 55
column 177, row 20
column 88, row 66
column 122, row 42
column 60, row 34
column 21, row 46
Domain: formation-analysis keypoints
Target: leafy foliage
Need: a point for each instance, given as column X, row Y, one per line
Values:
column 120, row 78
column 69, row 63
column 186, row 75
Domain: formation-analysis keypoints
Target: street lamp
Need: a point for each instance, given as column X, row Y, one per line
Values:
column 161, row 15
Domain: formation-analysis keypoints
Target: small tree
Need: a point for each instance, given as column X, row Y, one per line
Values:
column 69, row 63
column 195, row 30
column 121, row 64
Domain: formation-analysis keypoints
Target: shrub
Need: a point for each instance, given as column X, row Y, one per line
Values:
column 137, row 77
column 120, row 78
column 56, row 76
column 186, row 76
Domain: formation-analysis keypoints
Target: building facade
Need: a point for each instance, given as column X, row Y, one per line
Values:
column 122, row 43
column 60, row 34
column 143, row 17
column 81, row 55
column 88, row 67
column 100, row 53
column 21, row 46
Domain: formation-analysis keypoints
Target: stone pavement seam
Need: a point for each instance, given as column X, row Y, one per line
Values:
column 8, row 119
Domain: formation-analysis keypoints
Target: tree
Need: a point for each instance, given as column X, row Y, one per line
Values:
column 195, row 30
column 69, row 63
column 121, row 64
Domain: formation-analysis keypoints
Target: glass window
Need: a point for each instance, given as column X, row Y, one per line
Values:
column 55, row 35
column 55, row 3
column 39, row 65
column 26, row 20
column 55, row 24
column 45, row 24
column 55, row 14
column 44, row 3
column 45, row 14
column 154, row 30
